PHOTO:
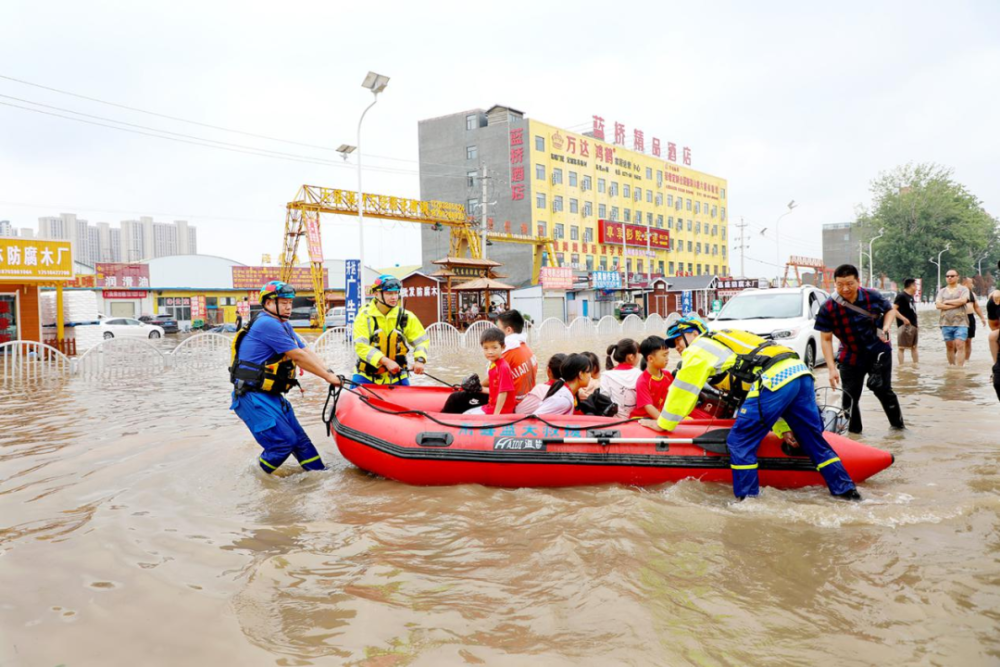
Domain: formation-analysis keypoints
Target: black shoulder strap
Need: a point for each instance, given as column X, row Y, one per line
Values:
column 850, row 306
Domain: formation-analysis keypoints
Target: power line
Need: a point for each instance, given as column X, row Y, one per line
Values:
column 206, row 125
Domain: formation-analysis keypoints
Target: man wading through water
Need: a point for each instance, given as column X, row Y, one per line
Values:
column 265, row 356
column 860, row 318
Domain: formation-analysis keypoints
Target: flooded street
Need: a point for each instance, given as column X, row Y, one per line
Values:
column 136, row 528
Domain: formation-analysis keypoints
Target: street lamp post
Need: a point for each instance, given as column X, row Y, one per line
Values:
column 777, row 239
column 375, row 83
column 938, row 264
column 871, row 258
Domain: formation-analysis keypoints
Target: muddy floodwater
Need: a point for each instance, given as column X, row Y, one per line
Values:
column 136, row 529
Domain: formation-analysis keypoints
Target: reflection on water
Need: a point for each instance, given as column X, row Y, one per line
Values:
column 136, row 529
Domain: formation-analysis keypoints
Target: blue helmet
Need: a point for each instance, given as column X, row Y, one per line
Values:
column 386, row 283
column 682, row 326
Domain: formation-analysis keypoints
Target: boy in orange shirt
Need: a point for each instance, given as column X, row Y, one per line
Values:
column 522, row 361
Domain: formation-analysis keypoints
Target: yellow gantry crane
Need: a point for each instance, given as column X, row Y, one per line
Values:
column 303, row 215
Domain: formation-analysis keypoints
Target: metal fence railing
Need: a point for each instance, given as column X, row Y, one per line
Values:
column 29, row 361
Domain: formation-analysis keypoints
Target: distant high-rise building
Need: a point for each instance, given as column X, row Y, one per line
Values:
column 27, row 233
column 7, row 229
column 136, row 240
column 841, row 242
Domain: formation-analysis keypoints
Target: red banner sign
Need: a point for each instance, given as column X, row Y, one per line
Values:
column 312, row 232
column 254, row 277
column 609, row 232
column 123, row 294
column 556, row 277
column 122, row 276
column 198, row 310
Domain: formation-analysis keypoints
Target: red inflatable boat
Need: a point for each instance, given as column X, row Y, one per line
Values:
column 400, row 433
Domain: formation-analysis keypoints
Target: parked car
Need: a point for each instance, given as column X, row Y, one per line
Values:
column 336, row 317
column 301, row 318
column 168, row 323
column 785, row 315
column 127, row 327
column 627, row 308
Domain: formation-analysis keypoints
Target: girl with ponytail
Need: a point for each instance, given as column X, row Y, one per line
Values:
column 561, row 397
column 618, row 382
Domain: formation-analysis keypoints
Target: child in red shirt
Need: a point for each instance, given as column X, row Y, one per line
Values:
column 652, row 386
column 500, row 378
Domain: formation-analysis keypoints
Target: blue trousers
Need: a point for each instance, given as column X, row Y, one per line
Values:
column 275, row 428
column 361, row 379
column 796, row 403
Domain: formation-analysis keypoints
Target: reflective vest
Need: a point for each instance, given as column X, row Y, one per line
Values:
column 731, row 360
column 275, row 376
column 392, row 334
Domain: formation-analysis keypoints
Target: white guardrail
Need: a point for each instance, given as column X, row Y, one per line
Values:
column 30, row 362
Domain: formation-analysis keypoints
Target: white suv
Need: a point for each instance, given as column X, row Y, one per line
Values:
column 785, row 315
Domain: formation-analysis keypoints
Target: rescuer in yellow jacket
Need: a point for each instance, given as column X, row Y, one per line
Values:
column 780, row 394
column 384, row 332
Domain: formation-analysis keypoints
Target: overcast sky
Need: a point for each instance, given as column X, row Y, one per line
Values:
column 787, row 101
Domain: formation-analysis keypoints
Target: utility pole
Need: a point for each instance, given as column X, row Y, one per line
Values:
column 743, row 243
column 482, row 203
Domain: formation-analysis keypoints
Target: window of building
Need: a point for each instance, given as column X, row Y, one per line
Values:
column 638, row 266
column 178, row 311
column 471, row 122
column 471, row 153
column 659, row 221
column 574, row 260
column 715, row 230
column 723, row 233
column 614, row 189
column 670, row 268
column 602, row 211
column 670, row 222
column 572, row 179
column 649, row 218
column 561, row 258
column 574, row 206
column 588, row 209
column 638, row 194
column 723, row 252
column 670, row 200
column 690, row 246
column 626, row 192
column 574, row 233
column 690, row 225
column 697, row 207
column 557, row 203
column 680, row 204
column 628, row 265
column 697, row 248
column 471, row 206
column 542, row 229
column 614, row 213
column 587, row 183
column 601, row 185
column 560, row 230
column 604, row 262
column 649, row 172
column 628, row 215
column 649, row 196
column 689, row 204
column 588, row 234
column 659, row 184
column 723, row 192
column 556, row 176
column 699, row 270
column 539, row 200
column 690, row 267
column 590, row 262
column 470, row 179
column 723, row 216
column 539, row 143
column 540, row 172
column 715, row 211
column 697, row 227
column 660, row 269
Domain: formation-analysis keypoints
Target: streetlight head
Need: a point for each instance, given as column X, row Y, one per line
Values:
column 792, row 205
column 375, row 82
column 346, row 149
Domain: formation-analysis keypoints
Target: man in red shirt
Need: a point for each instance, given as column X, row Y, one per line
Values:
column 522, row 361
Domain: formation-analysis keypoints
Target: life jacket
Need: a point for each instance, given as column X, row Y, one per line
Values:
column 755, row 357
column 275, row 376
column 391, row 344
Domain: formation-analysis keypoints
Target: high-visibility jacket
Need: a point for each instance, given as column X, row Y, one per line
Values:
column 709, row 360
column 391, row 334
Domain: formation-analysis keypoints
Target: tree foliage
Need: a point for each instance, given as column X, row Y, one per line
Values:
column 922, row 209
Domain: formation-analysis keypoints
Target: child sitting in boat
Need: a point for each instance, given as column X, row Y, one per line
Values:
column 535, row 397
column 561, row 397
column 652, row 386
column 522, row 361
column 595, row 377
column 618, row 382
column 499, row 382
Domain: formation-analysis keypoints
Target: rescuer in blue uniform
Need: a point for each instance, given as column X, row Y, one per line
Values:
column 266, row 354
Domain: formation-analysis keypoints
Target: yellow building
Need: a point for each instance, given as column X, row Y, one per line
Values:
column 578, row 183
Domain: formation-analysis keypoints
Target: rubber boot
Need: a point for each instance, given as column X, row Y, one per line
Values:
column 850, row 495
